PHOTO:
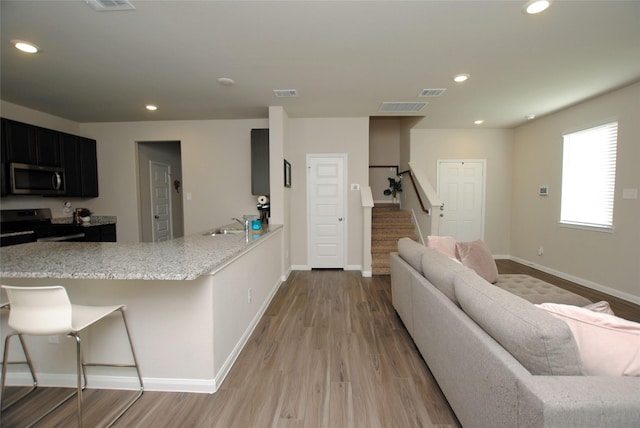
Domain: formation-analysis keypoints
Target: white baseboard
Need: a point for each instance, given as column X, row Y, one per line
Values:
column 580, row 281
column 68, row 380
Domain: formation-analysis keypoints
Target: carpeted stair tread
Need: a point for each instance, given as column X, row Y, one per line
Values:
column 388, row 225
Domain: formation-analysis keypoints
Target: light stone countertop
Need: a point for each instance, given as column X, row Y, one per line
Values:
column 179, row 259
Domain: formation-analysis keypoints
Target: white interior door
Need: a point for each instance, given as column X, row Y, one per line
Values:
column 326, row 208
column 461, row 188
column 162, row 227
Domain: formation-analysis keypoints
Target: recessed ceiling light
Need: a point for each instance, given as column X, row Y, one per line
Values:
column 536, row 6
column 478, row 122
column 25, row 46
column 225, row 81
column 459, row 78
column 530, row 116
column 151, row 107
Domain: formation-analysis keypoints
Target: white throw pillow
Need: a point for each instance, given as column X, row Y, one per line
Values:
column 608, row 345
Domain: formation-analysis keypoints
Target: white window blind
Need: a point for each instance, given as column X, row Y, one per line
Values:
column 589, row 177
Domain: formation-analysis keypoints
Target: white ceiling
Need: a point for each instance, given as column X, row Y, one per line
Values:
column 345, row 58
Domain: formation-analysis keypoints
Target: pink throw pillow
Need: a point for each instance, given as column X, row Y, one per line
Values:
column 445, row 244
column 601, row 306
column 477, row 256
column 608, row 345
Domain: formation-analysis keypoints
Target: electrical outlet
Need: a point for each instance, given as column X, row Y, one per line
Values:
column 250, row 295
column 540, row 250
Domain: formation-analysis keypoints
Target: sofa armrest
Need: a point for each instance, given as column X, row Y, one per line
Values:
column 579, row 401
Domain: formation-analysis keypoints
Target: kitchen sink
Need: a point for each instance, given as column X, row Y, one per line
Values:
column 224, row 231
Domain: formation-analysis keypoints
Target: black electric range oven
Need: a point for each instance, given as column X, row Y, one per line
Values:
column 35, row 225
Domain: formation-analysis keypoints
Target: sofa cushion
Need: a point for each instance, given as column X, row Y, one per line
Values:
column 440, row 270
column 411, row 252
column 543, row 344
column 477, row 256
column 445, row 244
column 609, row 345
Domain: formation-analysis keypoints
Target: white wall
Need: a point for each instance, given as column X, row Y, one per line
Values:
column 216, row 170
column 610, row 261
column 427, row 146
column 384, row 149
column 343, row 135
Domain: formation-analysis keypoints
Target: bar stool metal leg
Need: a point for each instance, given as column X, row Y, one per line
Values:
column 27, row 361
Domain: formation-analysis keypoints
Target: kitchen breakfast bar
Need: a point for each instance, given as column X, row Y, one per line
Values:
column 192, row 304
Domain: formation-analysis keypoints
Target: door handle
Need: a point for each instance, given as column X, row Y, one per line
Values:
column 340, row 219
column 156, row 217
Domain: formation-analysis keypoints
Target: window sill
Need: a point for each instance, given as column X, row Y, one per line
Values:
column 604, row 229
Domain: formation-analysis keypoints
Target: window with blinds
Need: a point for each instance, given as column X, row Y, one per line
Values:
column 589, row 177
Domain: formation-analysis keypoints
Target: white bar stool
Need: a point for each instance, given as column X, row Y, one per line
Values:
column 44, row 311
column 27, row 361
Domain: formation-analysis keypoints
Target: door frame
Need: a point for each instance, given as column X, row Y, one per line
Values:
column 345, row 228
column 170, row 215
column 484, row 186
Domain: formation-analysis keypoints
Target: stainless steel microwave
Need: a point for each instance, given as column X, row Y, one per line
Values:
column 29, row 179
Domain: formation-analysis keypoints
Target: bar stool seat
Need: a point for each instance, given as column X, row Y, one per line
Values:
column 43, row 311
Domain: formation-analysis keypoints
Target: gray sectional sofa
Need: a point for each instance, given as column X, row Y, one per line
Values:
column 499, row 360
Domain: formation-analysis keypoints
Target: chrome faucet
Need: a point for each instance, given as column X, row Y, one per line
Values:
column 244, row 222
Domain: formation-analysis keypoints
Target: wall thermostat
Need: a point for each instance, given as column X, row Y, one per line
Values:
column 543, row 191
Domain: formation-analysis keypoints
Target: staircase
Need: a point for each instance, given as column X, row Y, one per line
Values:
column 388, row 224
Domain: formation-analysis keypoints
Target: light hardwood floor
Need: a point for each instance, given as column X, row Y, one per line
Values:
column 330, row 351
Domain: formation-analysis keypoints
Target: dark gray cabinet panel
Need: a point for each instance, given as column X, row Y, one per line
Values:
column 24, row 143
column 80, row 165
column 260, row 162
column 101, row 233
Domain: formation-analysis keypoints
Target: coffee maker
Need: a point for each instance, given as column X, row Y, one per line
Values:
column 264, row 207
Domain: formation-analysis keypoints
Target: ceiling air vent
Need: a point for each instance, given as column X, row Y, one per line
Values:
column 432, row 92
column 401, row 107
column 110, row 5
column 285, row 93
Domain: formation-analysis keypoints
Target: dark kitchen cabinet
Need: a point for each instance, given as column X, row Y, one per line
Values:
column 80, row 165
column 24, row 143
column 30, row 144
column 19, row 140
column 260, row 162
column 102, row 233
column 47, row 147
column 4, row 171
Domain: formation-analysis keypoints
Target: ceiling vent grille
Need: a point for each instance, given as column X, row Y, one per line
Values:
column 285, row 93
column 432, row 92
column 402, row 107
column 110, row 5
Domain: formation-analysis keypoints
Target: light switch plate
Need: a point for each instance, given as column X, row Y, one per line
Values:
column 355, row 186
column 629, row 193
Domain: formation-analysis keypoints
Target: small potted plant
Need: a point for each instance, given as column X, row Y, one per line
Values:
column 395, row 186
column 83, row 215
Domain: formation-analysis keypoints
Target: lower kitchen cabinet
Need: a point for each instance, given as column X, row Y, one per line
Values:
column 101, row 233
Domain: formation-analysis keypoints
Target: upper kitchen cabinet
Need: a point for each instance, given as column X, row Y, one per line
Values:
column 30, row 144
column 80, row 165
column 260, row 162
